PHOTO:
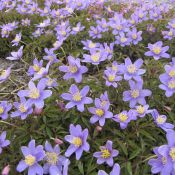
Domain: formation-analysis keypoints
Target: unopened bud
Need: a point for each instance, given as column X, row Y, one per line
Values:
column 6, row 170
column 37, row 111
column 99, row 128
column 58, row 141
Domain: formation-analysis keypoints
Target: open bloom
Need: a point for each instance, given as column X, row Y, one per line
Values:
column 135, row 36
column 160, row 120
column 168, row 85
column 132, row 70
column 106, row 154
column 96, row 56
column 51, row 56
column 16, row 40
column 73, row 70
column 43, row 71
column 142, row 110
column 111, row 77
column 122, row 40
column 4, row 109
column 16, row 55
column 88, row 45
column 55, row 163
column 162, row 164
column 3, row 141
column 77, row 29
column 136, row 94
column 115, row 170
column 100, row 113
column 157, row 51
column 36, row 94
column 104, row 100
column 5, row 74
column 24, row 109
column 36, row 67
column 169, row 72
column 77, row 98
column 124, row 117
column 78, row 141
column 32, row 155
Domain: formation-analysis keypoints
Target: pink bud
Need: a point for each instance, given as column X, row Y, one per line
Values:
column 61, row 105
column 99, row 128
column 6, row 170
column 37, row 111
column 58, row 141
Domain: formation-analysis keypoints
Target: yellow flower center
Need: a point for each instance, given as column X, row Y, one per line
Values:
column 23, row 10
column 1, row 110
column 40, row 72
column 140, row 109
column 52, row 158
column 17, row 39
column 172, row 153
column 77, row 96
column 173, row 25
column 131, row 68
column 33, row 9
column 103, row 103
column 164, row 160
column 37, row 32
column 77, row 141
column 34, row 93
column 5, row 32
column 114, row 68
column 123, row 39
column 155, row 15
column 92, row 45
column 3, row 73
column 104, row 25
column 30, row 160
column 160, row 120
column 49, row 82
column 76, row 29
column 73, row 69
column 170, row 33
column 119, row 27
column 122, row 117
column 172, row 73
column 135, row 93
column 95, row 57
column 50, row 58
column 105, row 153
column 134, row 36
column 79, row 4
column 46, row 11
column 141, row 15
column 22, row 108
column 63, row 32
column 156, row 50
column 171, row 84
column 36, row 68
column 57, row 13
column 99, row 112
column 132, row 21
column 111, row 78
column 27, row 1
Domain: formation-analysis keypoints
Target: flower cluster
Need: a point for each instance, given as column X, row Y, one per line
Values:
column 93, row 64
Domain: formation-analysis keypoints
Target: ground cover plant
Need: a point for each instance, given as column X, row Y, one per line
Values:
column 87, row 87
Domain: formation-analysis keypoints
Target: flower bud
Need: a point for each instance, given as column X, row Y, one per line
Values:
column 99, row 128
column 6, row 170
column 37, row 111
column 58, row 141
